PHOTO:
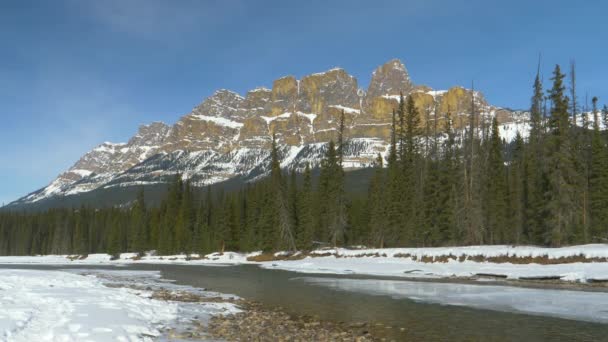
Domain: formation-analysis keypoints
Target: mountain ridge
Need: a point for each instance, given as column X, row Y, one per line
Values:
column 229, row 135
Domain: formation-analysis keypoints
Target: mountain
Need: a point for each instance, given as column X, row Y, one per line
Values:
column 228, row 135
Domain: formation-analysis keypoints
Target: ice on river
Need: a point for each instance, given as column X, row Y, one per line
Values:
column 577, row 305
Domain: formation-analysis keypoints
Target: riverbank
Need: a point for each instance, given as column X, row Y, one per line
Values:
column 586, row 265
column 104, row 305
column 79, row 305
column 391, row 308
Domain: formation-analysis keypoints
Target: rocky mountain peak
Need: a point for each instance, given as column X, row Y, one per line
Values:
column 331, row 88
column 223, row 103
column 229, row 135
column 391, row 78
column 152, row 135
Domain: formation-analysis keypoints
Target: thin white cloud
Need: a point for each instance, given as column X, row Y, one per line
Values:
column 159, row 19
column 68, row 113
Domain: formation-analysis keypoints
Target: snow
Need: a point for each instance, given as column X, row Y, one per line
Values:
column 227, row 91
column 346, row 109
column 436, row 93
column 590, row 117
column 61, row 306
column 327, row 72
column 393, row 97
column 218, row 121
column 390, row 263
column 508, row 130
column 578, row 305
column 260, row 89
column 129, row 258
column 81, row 172
column 270, row 119
column 291, row 155
column 109, row 147
column 310, row 117
column 97, row 305
column 399, row 262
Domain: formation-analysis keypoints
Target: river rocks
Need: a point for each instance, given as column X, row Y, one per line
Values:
column 259, row 324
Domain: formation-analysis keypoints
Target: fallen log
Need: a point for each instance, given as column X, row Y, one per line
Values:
column 541, row 278
column 491, row 275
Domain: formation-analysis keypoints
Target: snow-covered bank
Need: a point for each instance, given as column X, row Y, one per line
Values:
column 577, row 305
column 404, row 267
column 575, row 263
column 586, row 263
column 488, row 251
column 227, row 258
column 95, row 305
column 62, row 306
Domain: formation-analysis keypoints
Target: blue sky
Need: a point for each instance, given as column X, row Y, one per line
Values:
column 75, row 73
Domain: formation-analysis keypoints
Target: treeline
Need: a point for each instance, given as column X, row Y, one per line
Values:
column 440, row 186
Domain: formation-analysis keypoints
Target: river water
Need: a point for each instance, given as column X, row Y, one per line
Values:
column 403, row 310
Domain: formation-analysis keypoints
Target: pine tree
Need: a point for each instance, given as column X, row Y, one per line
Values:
column 294, row 202
column 139, row 224
column 495, row 202
column 394, row 188
column 284, row 219
column 306, row 221
column 561, row 200
column 410, row 184
column 449, row 227
column 598, row 181
column 80, row 236
column 170, row 211
column 331, row 196
column 516, row 195
column 378, row 221
column 535, row 177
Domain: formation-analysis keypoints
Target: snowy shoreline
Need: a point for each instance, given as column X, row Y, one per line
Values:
column 97, row 305
column 580, row 264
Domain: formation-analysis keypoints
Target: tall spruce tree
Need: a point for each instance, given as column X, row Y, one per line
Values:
column 139, row 224
column 283, row 218
column 377, row 207
column 495, row 194
column 598, row 181
column 516, row 192
column 306, row 217
column 561, row 201
column 394, row 189
column 535, row 176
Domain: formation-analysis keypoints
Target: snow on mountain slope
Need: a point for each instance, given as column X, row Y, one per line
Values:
column 229, row 135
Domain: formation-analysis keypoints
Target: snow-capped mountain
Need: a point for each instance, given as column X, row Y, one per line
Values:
column 229, row 135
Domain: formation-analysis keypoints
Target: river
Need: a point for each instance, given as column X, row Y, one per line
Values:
column 404, row 310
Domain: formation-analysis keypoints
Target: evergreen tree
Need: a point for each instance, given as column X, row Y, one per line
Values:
column 377, row 207
column 495, row 201
column 332, row 218
column 516, row 193
column 279, row 198
column 139, row 224
column 598, row 181
column 394, row 189
column 535, row 177
column 561, row 197
column 306, row 220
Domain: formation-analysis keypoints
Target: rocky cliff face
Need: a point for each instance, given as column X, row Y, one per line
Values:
column 229, row 135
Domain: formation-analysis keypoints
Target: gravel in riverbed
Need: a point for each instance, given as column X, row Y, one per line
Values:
column 258, row 324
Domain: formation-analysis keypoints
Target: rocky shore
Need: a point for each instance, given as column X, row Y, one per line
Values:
column 256, row 323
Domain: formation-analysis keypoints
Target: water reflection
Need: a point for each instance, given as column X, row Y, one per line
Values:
column 578, row 305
